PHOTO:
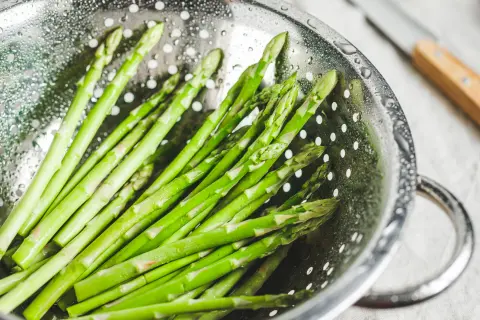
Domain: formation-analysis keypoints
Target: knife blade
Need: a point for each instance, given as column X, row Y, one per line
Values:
column 454, row 78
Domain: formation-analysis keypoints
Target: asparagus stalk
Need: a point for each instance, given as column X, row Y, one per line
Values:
column 51, row 223
column 198, row 139
column 226, row 234
column 175, row 189
column 8, row 283
column 148, row 220
column 198, row 305
column 210, row 273
column 143, row 150
column 154, row 235
column 269, row 185
column 51, row 164
column 120, row 131
column 227, row 161
column 254, row 282
column 95, row 118
column 220, row 289
column 272, row 50
column 63, row 281
column 320, row 91
column 55, row 264
column 110, row 295
column 80, row 218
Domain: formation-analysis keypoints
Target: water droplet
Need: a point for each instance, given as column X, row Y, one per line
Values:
column 311, row 23
column 365, row 72
column 345, row 47
column 310, row 60
column 203, row 34
column 108, row 22
column 115, row 111
column 159, row 5
column 184, row 15
column 284, row 8
column 127, row 33
column 93, row 43
column 173, row 69
column 286, row 187
column 152, row 64
column 237, row 67
column 197, row 106
column 128, row 97
column 190, row 51
column 303, row 134
column 223, row 33
column 176, row 33
column 210, row 84
column 133, row 8
column 151, row 84
column 250, row 49
column 167, row 48
column 151, row 24
column 401, row 142
column 357, row 60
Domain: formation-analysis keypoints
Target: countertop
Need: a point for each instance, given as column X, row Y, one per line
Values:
column 447, row 145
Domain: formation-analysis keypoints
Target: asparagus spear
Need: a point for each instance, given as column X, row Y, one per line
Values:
column 148, row 220
column 208, row 274
column 8, row 283
column 154, row 234
column 321, row 90
column 143, row 150
column 277, row 90
column 220, row 289
column 120, row 131
column 272, row 50
column 226, row 234
column 268, row 185
column 53, row 159
column 63, row 281
column 165, row 309
column 255, row 282
column 174, row 189
column 50, row 224
column 110, row 295
column 198, row 139
column 95, row 118
column 55, row 264
column 80, row 218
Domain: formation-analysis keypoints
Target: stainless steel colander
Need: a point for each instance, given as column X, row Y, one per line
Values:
column 44, row 49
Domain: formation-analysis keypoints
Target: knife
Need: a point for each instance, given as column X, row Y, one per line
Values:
column 458, row 82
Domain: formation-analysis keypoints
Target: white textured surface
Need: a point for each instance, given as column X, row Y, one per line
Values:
column 447, row 145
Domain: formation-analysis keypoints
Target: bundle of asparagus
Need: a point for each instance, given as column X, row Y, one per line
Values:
column 94, row 240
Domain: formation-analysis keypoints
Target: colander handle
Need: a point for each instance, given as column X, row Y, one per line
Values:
column 464, row 245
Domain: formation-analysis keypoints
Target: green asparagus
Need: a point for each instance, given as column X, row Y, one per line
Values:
column 95, row 118
column 255, row 282
column 55, row 264
column 226, row 234
column 154, row 235
column 277, row 90
column 321, row 90
column 120, row 131
column 272, row 50
column 165, row 309
column 51, row 223
column 53, row 160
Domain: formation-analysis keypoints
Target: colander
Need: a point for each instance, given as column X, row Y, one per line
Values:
column 45, row 46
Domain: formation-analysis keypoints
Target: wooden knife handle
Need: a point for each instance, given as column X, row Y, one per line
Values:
column 456, row 80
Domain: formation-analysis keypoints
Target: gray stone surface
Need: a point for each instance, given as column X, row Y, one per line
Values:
column 447, row 145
